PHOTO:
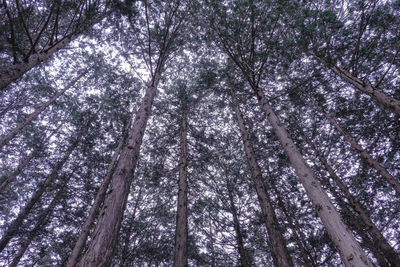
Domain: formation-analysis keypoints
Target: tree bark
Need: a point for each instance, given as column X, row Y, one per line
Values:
column 348, row 247
column 364, row 154
column 37, row 112
column 17, row 223
column 379, row 96
column 101, row 247
column 181, row 232
column 378, row 239
column 80, row 243
column 279, row 251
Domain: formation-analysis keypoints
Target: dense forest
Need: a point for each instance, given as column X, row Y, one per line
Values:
column 200, row 133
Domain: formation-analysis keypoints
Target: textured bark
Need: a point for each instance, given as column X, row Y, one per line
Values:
column 101, row 247
column 80, row 243
column 279, row 251
column 364, row 154
column 17, row 223
column 181, row 232
column 41, row 221
column 305, row 254
column 379, row 96
column 15, row 71
column 238, row 231
column 348, row 247
column 37, row 112
column 377, row 238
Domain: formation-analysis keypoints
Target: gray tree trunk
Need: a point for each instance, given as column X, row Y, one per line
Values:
column 181, row 232
column 17, row 223
column 279, row 250
column 379, row 96
column 37, row 112
column 348, row 247
column 364, row 154
column 80, row 243
column 100, row 250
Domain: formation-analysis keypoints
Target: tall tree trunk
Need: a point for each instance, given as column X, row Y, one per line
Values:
column 348, row 247
column 101, row 247
column 15, row 71
column 305, row 254
column 244, row 260
column 37, row 112
column 378, row 239
column 80, row 243
column 181, row 232
column 41, row 221
column 280, row 253
column 13, row 106
column 379, row 96
column 17, row 223
column 364, row 154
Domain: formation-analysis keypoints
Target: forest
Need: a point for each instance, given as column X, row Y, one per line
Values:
column 200, row 133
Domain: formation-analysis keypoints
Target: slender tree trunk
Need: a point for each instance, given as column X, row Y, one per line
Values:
column 236, row 224
column 17, row 223
column 364, row 154
column 17, row 171
column 348, row 247
column 125, row 250
column 13, row 105
column 101, row 247
column 379, row 96
column 181, row 232
column 41, row 221
column 280, row 253
column 378, row 239
column 37, row 112
column 305, row 254
column 80, row 243
column 15, row 71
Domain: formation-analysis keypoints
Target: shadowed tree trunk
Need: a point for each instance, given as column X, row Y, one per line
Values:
column 101, row 247
column 41, row 221
column 369, row 227
column 379, row 96
column 17, row 223
column 37, row 112
column 280, row 253
column 364, row 154
column 348, row 247
column 181, row 232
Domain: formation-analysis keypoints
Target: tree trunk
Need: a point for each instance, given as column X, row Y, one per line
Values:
column 13, row 105
column 378, row 239
column 15, row 71
column 41, row 221
column 17, row 223
column 244, row 260
column 379, row 96
column 101, row 247
column 181, row 232
column 279, row 251
column 348, row 247
column 15, row 173
column 37, row 112
column 305, row 254
column 80, row 243
column 367, row 157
